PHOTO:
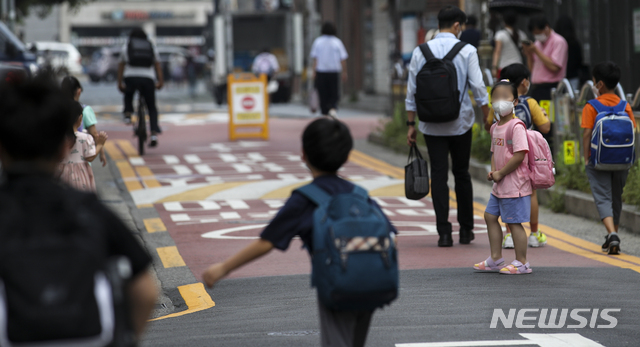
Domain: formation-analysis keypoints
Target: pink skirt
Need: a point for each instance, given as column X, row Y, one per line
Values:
column 78, row 176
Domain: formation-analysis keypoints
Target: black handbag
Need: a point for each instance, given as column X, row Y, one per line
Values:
column 416, row 175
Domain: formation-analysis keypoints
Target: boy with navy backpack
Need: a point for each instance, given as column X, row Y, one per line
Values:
column 351, row 242
column 608, row 144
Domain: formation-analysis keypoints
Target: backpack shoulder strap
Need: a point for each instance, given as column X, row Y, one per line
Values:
column 511, row 129
column 361, row 192
column 455, row 50
column 426, row 51
column 597, row 105
column 620, row 107
column 314, row 193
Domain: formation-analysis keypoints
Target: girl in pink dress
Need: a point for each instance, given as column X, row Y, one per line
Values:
column 75, row 169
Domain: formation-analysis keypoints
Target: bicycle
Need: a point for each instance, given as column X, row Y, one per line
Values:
column 140, row 126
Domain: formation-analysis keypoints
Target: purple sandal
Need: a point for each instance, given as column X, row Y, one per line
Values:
column 516, row 268
column 489, row 265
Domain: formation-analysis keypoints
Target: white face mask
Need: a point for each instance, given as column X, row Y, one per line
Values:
column 459, row 34
column 528, row 86
column 595, row 91
column 541, row 37
column 503, row 108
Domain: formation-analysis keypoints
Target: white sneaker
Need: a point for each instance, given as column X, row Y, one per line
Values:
column 507, row 242
column 537, row 239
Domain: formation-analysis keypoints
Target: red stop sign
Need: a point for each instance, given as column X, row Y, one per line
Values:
column 248, row 102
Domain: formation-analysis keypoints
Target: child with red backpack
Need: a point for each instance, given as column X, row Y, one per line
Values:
column 511, row 195
column 609, row 152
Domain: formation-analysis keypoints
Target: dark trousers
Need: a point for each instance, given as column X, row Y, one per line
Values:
column 542, row 91
column 343, row 328
column 328, row 86
column 147, row 88
column 459, row 147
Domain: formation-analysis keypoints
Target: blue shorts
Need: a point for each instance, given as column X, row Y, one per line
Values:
column 512, row 210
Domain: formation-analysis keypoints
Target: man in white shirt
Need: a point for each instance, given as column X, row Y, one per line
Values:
column 265, row 63
column 453, row 137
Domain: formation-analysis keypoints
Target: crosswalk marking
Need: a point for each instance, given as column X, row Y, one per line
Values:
column 255, row 177
column 209, row 205
column 180, row 217
column 173, row 206
column 182, row 170
column 230, row 215
column 171, row 159
column 237, row 204
column 256, row 157
column 228, row 158
column 192, row 159
column 242, row 168
column 273, row 167
column 293, row 158
column 287, row 177
column 203, row 169
column 412, row 203
column 136, row 161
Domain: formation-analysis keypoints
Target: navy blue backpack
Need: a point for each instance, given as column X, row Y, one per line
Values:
column 523, row 112
column 354, row 259
column 613, row 138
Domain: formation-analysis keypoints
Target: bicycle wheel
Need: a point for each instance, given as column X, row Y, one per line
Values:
column 141, row 130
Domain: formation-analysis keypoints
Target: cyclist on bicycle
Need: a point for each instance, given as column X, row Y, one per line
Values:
column 139, row 66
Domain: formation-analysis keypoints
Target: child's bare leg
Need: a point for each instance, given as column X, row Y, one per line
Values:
column 494, row 230
column 534, row 212
column 520, row 242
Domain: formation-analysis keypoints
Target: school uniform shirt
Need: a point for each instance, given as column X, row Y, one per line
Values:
column 136, row 71
column 469, row 78
column 557, row 50
column 516, row 184
column 329, row 52
column 589, row 113
column 296, row 216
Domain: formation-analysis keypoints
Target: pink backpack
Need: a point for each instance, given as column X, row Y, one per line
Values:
column 540, row 157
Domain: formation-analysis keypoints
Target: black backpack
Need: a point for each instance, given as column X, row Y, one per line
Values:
column 140, row 53
column 58, row 285
column 437, row 96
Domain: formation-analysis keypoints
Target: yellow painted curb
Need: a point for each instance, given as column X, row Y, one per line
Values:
column 154, row 225
column 196, row 298
column 170, row 257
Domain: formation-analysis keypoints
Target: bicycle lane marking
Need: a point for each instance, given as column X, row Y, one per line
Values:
column 558, row 239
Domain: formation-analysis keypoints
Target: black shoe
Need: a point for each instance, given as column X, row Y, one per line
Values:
column 611, row 244
column 445, row 240
column 466, row 236
column 153, row 141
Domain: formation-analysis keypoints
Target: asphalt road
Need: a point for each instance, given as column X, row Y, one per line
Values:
column 196, row 182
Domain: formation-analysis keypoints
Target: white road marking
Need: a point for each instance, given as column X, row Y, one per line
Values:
column 180, row 182
column 180, row 217
column 287, row 177
column 173, row 206
column 136, row 161
column 294, row 158
column 541, row 340
column 412, row 203
column 255, row 177
column 274, row 203
column 220, row 147
column 182, row 170
column 242, row 168
column 256, row 156
column 356, row 177
column 228, row 158
column 230, row 215
column 209, row 205
column 192, row 159
column 237, row 204
column 203, row 169
column 416, row 212
column 171, row 159
column 273, row 167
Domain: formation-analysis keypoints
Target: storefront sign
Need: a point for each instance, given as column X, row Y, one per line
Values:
column 136, row 15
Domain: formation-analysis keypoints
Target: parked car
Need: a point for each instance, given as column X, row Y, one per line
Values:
column 61, row 56
column 13, row 52
column 104, row 64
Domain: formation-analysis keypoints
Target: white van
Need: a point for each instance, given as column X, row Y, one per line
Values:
column 60, row 55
